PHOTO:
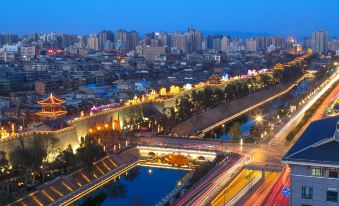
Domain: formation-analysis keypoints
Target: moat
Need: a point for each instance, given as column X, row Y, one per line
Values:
column 142, row 186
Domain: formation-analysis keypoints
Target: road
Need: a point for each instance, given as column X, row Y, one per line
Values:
column 235, row 187
column 279, row 138
column 203, row 194
column 320, row 112
column 263, row 190
column 267, row 153
column 276, row 198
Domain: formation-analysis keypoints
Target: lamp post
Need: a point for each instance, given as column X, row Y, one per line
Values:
column 259, row 119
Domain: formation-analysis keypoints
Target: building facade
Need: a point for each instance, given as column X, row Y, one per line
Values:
column 319, row 42
column 314, row 163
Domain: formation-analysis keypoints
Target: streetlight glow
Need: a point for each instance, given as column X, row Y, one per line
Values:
column 259, row 118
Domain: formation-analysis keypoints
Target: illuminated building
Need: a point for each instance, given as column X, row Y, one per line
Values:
column 174, row 89
column 214, row 79
column 319, row 42
column 163, row 92
column 51, row 108
column 295, row 49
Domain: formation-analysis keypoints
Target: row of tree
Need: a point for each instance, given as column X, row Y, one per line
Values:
column 198, row 101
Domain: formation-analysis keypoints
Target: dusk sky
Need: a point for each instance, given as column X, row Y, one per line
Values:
column 295, row 17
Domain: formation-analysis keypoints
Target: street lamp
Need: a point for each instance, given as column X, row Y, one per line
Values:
column 259, row 118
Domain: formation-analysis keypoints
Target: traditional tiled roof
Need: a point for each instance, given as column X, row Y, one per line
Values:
column 317, row 144
column 51, row 100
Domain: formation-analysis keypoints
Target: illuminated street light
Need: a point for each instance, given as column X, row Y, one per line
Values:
column 259, row 118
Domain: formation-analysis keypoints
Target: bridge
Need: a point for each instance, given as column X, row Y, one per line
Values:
column 193, row 154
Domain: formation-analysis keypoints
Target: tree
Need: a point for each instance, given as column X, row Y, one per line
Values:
column 66, row 159
column 49, row 145
column 3, row 159
column 90, row 152
column 185, row 108
column 235, row 131
column 168, row 119
column 229, row 91
column 266, row 80
column 277, row 75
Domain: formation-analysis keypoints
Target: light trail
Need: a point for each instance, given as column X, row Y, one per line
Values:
column 251, row 108
column 216, row 184
column 279, row 137
column 263, row 190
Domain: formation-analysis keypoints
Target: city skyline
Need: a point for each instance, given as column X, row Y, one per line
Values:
column 233, row 102
column 286, row 18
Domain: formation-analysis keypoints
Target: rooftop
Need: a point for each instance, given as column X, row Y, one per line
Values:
column 51, row 100
column 317, row 145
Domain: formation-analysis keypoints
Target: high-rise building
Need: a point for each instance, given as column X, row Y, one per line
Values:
column 319, row 42
column 121, row 39
column 194, row 40
column 251, row 45
column 290, row 42
column 52, row 36
column 217, row 44
column 9, row 39
column 67, row 40
column 306, row 43
column 93, row 42
column 132, row 40
column 264, row 42
column 224, row 44
column 209, row 41
column 105, row 38
column 126, row 41
column 158, row 39
column 179, row 40
column 33, row 37
column 334, row 44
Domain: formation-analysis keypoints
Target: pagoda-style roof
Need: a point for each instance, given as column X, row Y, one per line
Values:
column 51, row 100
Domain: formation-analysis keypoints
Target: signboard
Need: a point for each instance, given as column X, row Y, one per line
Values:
column 286, row 192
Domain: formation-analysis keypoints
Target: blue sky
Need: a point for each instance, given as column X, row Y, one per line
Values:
column 294, row 17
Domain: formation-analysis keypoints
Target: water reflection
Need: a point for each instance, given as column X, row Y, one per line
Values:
column 137, row 188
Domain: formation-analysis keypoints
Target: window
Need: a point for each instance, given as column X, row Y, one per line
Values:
column 332, row 196
column 317, row 172
column 307, row 192
column 333, row 174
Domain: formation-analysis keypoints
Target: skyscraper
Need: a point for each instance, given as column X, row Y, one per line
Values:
column 251, row 45
column 33, row 37
column 224, row 43
column 105, row 37
column 306, row 43
column 67, row 40
column 120, row 39
column 93, row 42
column 179, row 40
column 319, row 42
column 194, row 40
column 132, row 40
